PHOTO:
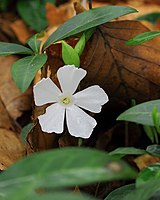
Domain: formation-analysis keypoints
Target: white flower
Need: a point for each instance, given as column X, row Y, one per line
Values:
column 67, row 102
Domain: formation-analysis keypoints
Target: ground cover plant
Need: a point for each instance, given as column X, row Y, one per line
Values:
column 93, row 90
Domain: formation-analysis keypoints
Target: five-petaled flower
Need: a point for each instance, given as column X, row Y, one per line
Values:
column 67, row 103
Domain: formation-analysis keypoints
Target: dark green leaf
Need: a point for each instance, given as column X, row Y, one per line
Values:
column 4, row 5
column 119, row 193
column 151, row 17
column 154, row 150
column 25, row 131
column 11, row 48
column 149, row 173
column 141, row 113
column 34, row 43
column 86, row 20
column 33, row 13
column 145, row 192
column 123, row 151
column 69, row 55
column 63, row 168
column 24, row 70
column 143, row 37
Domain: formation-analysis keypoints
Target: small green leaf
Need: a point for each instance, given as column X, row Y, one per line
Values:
column 86, row 20
column 25, row 131
column 69, row 55
column 80, row 44
column 151, row 17
column 119, row 193
column 11, row 48
column 149, row 173
column 154, row 150
column 143, row 37
column 34, row 43
column 123, row 151
column 141, row 113
column 151, row 133
column 24, row 70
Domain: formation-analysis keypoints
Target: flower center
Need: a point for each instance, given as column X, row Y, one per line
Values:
column 66, row 100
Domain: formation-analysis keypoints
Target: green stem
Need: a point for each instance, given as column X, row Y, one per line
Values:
column 80, row 142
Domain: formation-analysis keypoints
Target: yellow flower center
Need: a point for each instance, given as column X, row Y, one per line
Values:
column 66, row 100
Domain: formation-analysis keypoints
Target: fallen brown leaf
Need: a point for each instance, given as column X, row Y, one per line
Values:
column 15, row 102
column 11, row 148
column 145, row 160
column 21, row 30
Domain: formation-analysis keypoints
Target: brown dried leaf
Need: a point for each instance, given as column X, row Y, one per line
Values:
column 11, row 148
column 145, row 160
column 21, row 30
column 15, row 102
column 125, row 72
column 58, row 15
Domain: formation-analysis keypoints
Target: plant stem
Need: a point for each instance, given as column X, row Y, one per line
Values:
column 90, row 4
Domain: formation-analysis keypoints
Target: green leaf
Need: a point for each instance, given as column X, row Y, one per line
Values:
column 141, row 113
column 151, row 17
column 119, row 193
column 25, row 131
column 61, row 168
column 123, row 151
column 80, row 44
column 86, row 20
column 24, row 70
column 56, row 195
column 34, row 43
column 11, row 48
column 149, row 173
column 154, row 150
column 69, row 55
column 145, row 192
column 143, row 37
column 33, row 12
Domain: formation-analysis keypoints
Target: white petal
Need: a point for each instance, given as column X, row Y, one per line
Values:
column 79, row 123
column 69, row 77
column 91, row 98
column 53, row 119
column 45, row 91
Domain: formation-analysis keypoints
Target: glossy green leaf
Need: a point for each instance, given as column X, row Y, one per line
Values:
column 123, row 151
column 149, row 173
column 24, row 70
column 151, row 17
column 145, row 192
column 119, row 193
column 62, row 168
column 86, row 20
column 141, row 113
column 25, row 131
column 70, row 55
column 11, row 48
column 154, row 150
column 143, row 37
column 33, row 13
